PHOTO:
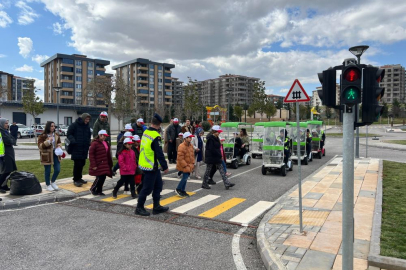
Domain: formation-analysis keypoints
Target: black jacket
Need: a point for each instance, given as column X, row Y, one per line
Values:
column 7, row 163
column 213, row 152
column 14, row 130
column 79, row 136
column 173, row 132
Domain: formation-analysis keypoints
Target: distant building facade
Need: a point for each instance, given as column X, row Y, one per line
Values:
column 178, row 95
column 394, row 83
column 316, row 101
column 72, row 73
column 12, row 87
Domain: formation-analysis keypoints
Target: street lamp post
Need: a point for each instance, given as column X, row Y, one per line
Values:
column 57, row 89
column 228, row 108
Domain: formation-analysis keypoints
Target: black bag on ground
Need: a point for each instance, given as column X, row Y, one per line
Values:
column 24, row 183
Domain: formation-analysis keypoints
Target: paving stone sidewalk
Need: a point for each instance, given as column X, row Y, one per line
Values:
column 67, row 191
column 280, row 242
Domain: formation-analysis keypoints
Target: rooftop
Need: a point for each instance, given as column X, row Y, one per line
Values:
column 74, row 57
column 141, row 61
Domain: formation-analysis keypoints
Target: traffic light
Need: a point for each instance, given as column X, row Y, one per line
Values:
column 372, row 94
column 328, row 83
column 351, row 85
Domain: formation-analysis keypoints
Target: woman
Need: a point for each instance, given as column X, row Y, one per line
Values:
column 213, row 157
column 185, row 163
column 100, row 162
column 198, row 145
column 7, row 159
column 48, row 141
column 245, row 142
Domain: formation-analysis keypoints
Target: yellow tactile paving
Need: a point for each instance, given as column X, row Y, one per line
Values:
column 312, row 218
column 170, row 200
column 75, row 189
column 111, row 199
column 286, row 217
column 219, row 209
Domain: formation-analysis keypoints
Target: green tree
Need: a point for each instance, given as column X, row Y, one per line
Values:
column 32, row 104
column 308, row 110
column 259, row 98
column 238, row 111
column 396, row 107
column 302, row 111
column 230, row 114
column 385, row 110
column 270, row 108
column 191, row 98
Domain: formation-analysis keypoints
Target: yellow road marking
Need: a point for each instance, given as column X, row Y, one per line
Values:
column 111, row 199
column 221, row 208
column 170, row 200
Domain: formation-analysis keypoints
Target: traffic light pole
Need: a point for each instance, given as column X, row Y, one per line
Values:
column 348, row 188
column 357, row 138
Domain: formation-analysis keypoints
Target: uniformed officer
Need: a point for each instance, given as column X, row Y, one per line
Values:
column 322, row 136
column 308, row 143
column 285, row 140
column 151, row 161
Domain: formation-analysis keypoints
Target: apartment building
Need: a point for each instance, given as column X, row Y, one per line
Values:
column 178, row 97
column 12, row 87
column 72, row 73
column 316, row 101
column 276, row 98
column 151, row 83
column 394, row 83
column 214, row 91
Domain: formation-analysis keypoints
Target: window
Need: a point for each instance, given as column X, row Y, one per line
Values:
column 67, row 69
column 151, row 73
column 160, row 87
column 78, row 78
column 159, row 67
column 90, row 72
column 78, row 86
column 151, row 66
column 160, row 80
column 151, row 85
column 167, row 74
column 67, row 85
column 78, row 63
column 99, row 72
column 90, row 64
column 143, row 91
column 151, row 99
column 168, row 81
column 67, row 61
column 67, row 121
column 78, row 94
column 78, row 70
column 168, row 93
column 151, row 80
column 151, row 93
column 159, row 74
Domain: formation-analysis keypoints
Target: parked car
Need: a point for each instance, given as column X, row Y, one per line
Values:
column 38, row 129
column 63, row 130
column 24, row 131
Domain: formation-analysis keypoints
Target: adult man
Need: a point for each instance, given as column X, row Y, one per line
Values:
column 166, row 141
column 284, row 140
column 79, row 135
column 139, row 127
column 173, row 132
column 322, row 136
column 151, row 161
column 14, row 132
column 187, row 127
column 102, row 123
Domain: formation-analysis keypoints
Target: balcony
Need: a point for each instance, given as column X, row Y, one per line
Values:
column 142, row 81
column 66, row 65
column 66, row 72
column 68, row 81
column 142, row 74
column 142, row 68
column 100, row 68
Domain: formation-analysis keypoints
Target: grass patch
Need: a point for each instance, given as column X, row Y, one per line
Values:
column 35, row 167
column 339, row 135
column 402, row 142
column 393, row 234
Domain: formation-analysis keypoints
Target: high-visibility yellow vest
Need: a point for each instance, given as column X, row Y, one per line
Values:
column 2, row 151
column 147, row 156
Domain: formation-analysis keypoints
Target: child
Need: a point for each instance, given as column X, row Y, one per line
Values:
column 223, row 154
column 126, row 159
column 127, row 134
column 185, row 163
column 120, row 138
column 179, row 140
column 138, row 172
column 100, row 162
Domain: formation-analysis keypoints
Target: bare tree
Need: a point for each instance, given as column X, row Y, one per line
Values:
column 100, row 88
column 32, row 104
column 122, row 99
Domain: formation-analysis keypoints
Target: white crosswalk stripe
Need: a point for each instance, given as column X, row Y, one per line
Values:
column 91, row 196
column 252, row 212
column 189, row 206
column 178, row 180
column 135, row 201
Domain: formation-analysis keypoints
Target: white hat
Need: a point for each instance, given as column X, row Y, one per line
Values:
column 217, row 128
column 187, row 135
column 103, row 132
column 181, row 134
column 176, row 120
column 128, row 127
column 104, row 114
column 128, row 134
column 140, row 120
column 128, row 140
column 136, row 138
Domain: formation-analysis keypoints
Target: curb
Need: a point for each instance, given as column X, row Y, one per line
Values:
column 269, row 258
column 384, row 147
column 374, row 257
column 59, row 196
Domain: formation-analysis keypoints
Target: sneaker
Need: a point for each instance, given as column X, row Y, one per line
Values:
column 159, row 209
column 6, row 188
column 141, row 212
column 49, row 188
column 185, row 194
column 179, row 192
column 2, row 191
column 77, row 184
column 211, row 182
column 228, row 174
column 206, row 187
column 179, row 176
column 54, row 186
column 101, row 194
column 115, row 194
column 198, row 177
column 94, row 193
column 229, row 185
column 82, row 181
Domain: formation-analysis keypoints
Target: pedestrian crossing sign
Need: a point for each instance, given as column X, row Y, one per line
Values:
column 296, row 93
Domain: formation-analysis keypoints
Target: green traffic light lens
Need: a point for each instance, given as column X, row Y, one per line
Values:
column 351, row 95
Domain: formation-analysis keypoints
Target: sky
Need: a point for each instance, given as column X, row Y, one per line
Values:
column 277, row 41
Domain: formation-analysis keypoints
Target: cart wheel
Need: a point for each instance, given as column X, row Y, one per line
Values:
column 305, row 161
column 234, row 165
column 248, row 161
column 263, row 170
column 291, row 166
column 324, row 152
column 254, row 156
column 320, row 155
column 283, row 170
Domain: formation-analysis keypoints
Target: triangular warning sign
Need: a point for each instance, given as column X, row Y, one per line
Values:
column 296, row 93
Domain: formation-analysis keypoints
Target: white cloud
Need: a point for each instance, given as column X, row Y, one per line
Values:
column 39, row 58
column 57, row 28
column 284, row 90
column 27, row 15
column 25, row 45
column 3, row 55
column 5, row 19
column 25, row 68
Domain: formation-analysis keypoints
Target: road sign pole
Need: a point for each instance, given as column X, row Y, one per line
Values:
column 348, row 188
column 300, row 166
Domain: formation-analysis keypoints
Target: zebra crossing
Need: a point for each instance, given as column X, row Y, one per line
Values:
column 209, row 206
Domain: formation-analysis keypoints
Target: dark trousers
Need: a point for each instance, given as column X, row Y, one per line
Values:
column 116, row 167
column 321, row 144
column 172, row 154
column 308, row 149
column 287, row 155
column 78, row 165
column 3, row 182
column 220, row 168
column 97, row 186
column 212, row 172
column 152, row 182
column 15, row 139
column 128, row 180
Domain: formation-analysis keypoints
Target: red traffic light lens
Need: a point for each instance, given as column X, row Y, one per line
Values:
column 352, row 75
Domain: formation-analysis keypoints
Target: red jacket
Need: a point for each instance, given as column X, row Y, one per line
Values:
column 127, row 162
column 100, row 158
column 223, row 153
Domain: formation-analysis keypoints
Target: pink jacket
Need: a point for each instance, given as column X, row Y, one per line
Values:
column 127, row 162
